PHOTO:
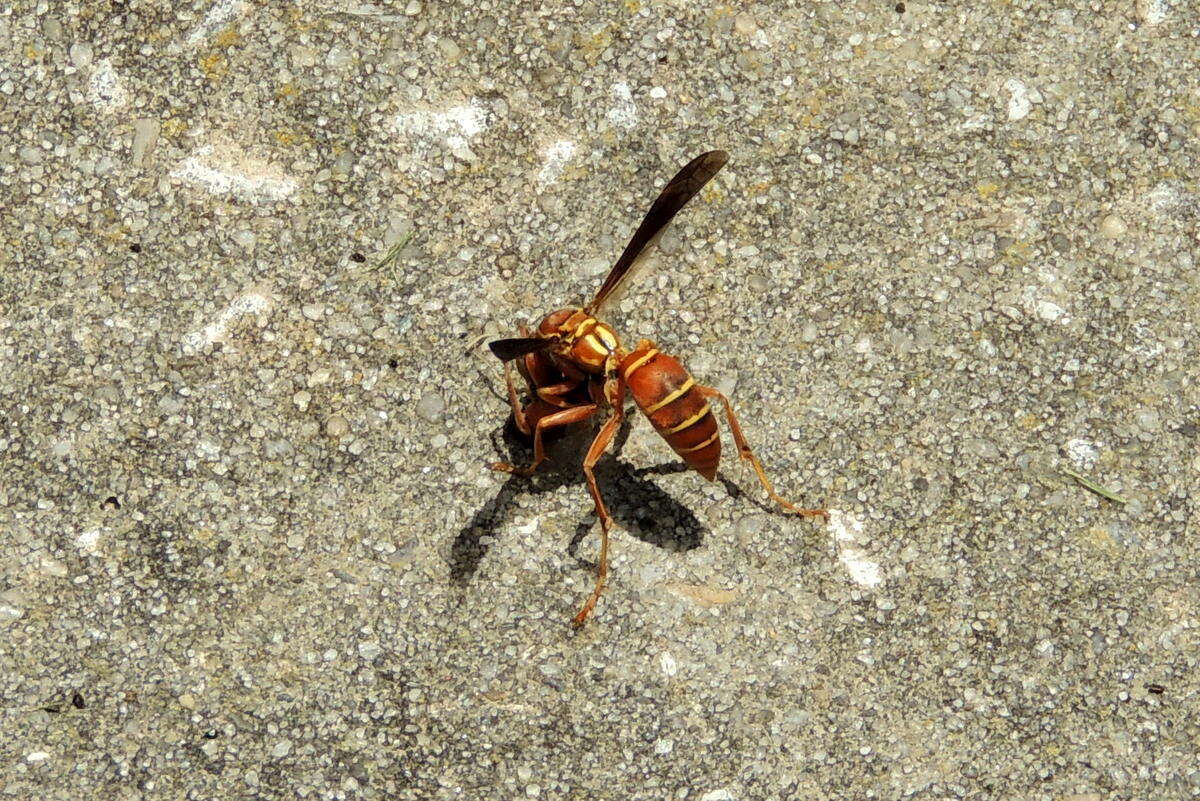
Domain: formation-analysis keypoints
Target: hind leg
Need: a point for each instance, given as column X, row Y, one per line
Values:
column 746, row 453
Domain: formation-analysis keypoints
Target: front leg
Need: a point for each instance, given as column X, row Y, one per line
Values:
column 518, row 411
column 556, row 394
column 575, row 414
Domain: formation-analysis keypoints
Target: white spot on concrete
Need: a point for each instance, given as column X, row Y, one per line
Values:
column 53, row 567
column 34, row 757
column 105, row 89
column 1020, row 99
column 221, row 14
column 250, row 303
column 1083, row 453
column 718, row 795
column 1034, row 302
column 658, row 93
column 1146, row 345
column 88, row 542
column 555, row 159
column 81, row 54
column 230, row 172
column 1050, row 312
column 1166, row 198
column 846, row 530
column 624, row 112
column 668, row 664
column 528, row 528
column 208, row 449
column 67, row 198
column 9, row 613
column 450, row 129
column 1153, row 12
column 975, row 120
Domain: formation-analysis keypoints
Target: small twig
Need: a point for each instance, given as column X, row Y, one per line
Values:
column 1087, row 483
column 393, row 255
column 476, row 342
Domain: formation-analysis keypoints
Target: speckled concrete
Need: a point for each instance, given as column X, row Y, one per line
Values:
column 250, row 546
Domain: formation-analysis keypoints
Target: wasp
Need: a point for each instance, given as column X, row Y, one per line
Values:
column 576, row 368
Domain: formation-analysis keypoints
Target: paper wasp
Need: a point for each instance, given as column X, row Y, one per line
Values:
column 575, row 368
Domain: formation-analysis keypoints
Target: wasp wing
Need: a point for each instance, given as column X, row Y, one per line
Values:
column 508, row 349
column 674, row 196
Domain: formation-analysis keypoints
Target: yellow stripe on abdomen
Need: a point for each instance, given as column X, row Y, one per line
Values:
column 641, row 360
column 688, row 423
column 679, row 393
column 703, row 444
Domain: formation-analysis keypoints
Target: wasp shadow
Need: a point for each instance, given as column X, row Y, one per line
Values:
column 637, row 504
column 642, row 519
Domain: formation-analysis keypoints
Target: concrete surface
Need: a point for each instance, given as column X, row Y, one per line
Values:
column 250, row 547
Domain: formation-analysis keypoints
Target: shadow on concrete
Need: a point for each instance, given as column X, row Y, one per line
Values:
column 636, row 504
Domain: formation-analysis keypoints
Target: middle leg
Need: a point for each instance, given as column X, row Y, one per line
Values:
column 614, row 392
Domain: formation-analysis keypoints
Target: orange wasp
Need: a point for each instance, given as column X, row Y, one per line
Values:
column 575, row 367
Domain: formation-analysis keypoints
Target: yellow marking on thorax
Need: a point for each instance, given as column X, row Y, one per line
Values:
column 579, row 329
column 606, row 336
column 673, row 396
column 641, row 360
column 691, row 421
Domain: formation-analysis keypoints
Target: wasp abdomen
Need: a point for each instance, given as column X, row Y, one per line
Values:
column 667, row 395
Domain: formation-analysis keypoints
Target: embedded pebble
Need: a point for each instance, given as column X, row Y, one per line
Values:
column 81, row 55
column 1148, row 420
column 1113, row 227
column 336, row 426
column 431, row 406
column 145, row 135
column 745, row 24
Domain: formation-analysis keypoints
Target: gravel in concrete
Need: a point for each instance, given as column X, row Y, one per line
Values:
column 250, row 547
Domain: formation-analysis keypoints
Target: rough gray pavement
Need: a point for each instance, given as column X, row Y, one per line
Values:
column 249, row 541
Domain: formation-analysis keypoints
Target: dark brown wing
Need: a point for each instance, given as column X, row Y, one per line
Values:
column 508, row 349
column 674, row 196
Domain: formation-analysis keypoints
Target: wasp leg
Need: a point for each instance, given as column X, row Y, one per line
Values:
column 517, row 410
column 555, row 394
column 614, row 391
column 747, row 454
column 566, row 417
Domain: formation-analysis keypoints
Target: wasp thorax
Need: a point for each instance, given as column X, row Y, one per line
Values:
column 551, row 324
column 583, row 341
